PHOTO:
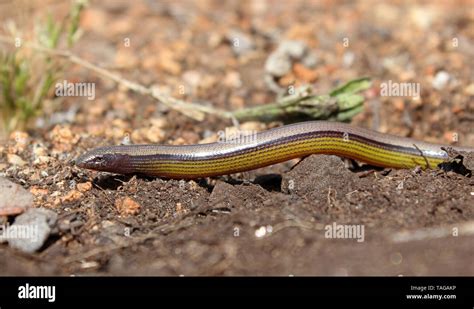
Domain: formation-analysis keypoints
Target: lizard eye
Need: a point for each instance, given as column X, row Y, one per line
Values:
column 99, row 160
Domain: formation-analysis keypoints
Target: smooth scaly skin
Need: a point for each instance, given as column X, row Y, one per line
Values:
column 266, row 148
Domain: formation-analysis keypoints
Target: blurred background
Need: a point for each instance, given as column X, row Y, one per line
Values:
column 217, row 52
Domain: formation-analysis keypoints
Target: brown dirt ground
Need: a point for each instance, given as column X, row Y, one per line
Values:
column 210, row 226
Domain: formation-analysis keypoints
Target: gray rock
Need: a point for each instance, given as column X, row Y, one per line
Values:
column 14, row 199
column 281, row 60
column 310, row 60
column 278, row 64
column 241, row 43
column 30, row 230
column 294, row 49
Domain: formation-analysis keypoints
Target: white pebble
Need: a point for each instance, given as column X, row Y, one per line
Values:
column 348, row 59
column 441, row 80
column 260, row 232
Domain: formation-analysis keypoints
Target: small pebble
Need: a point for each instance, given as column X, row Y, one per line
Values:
column 72, row 196
column 192, row 78
column 21, row 140
column 440, row 80
column 469, row 90
column 15, row 160
column 241, row 42
column 127, row 206
column 310, row 60
column 294, row 49
column 348, row 59
column 278, row 64
column 84, row 186
column 63, row 139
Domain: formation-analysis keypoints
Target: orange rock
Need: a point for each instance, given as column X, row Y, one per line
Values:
column 430, row 70
column 42, row 160
column 96, row 129
column 304, row 73
column 160, row 122
column 152, row 134
column 180, row 47
column 121, row 26
column 138, row 135
column 155, row 134
column 214, row 39
column 149, row 62
column 21, row 140
column 457, row 109
column 15, row 160
column 72, row 196
column 450, row 136
column 287, row 80
column 62, row 138
column 93, row 20
column 127, row 206
column 38, row 191
column 178, row 141
column 399, row 105
column 211, row 139
column 469, row 90
column 126, row 57
column 96, row 110
column 168, row 63
column 232, row 79
column 237, row 102
column 208, row 82
column 300, row 32
column 10, row 211
column 84, row 186
column 252, row 126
